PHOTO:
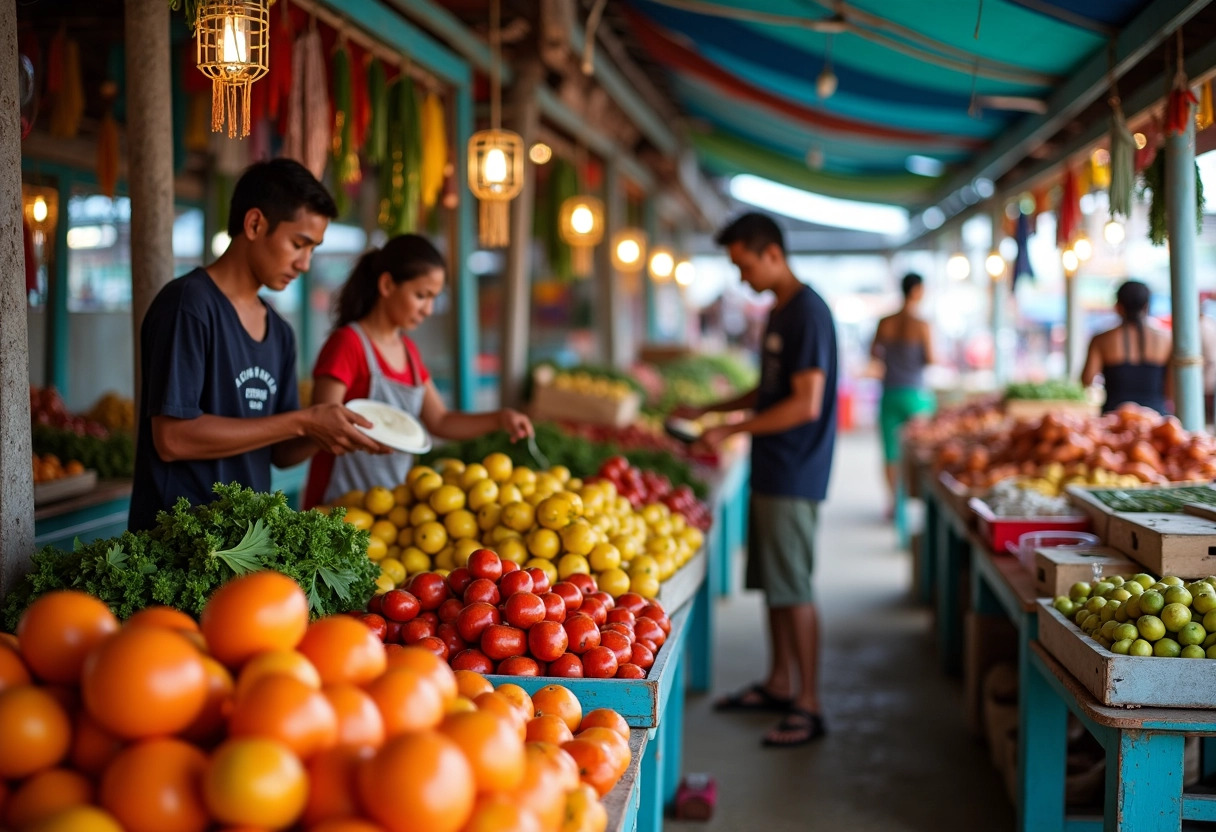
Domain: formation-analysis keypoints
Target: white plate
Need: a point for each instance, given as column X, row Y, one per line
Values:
column 392, row 427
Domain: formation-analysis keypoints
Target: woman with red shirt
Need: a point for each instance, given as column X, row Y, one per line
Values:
column 367, row 356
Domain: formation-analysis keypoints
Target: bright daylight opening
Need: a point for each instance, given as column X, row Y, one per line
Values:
column 822, row 210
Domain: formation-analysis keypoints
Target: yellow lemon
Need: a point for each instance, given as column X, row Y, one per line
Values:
column 544, row 543
column 656, row 545
column 446, row 499
column 426, row 485
column 545, row 566
column 500, row 533
column 448, row 464
column 399, row 516
column 473, row 474
column 384, row 530
column 576, row 502
column 509, row 493
column 644, row 565
column 483, row 493
column 405, row 537
column 379, row 500
column 416, row 472
column 518, row 516
column 430, row 537
column 613, row 581
column 461, row 524
column 578, row 538
column 604, row 556
column 489, row 516
column 574, row 484
column 351, row 499
column 572, row 564
column 402, row 496
column 645, row 585
column 376, row 550
column 464, row 548
column 554, row 512
column 394, row 569
column 514, row 550
column 561, row 473
column 523, row 477
column 359, row 518
column 422, row 513
column 446, row 559
column 384, row 583
column 415, row 560
column 499, row 466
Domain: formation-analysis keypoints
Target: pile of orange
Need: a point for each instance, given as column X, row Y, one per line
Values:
column 254, row 719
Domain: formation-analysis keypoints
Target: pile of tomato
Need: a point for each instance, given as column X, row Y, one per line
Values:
column 254, row 718
column 645, row 487
column 493, row 617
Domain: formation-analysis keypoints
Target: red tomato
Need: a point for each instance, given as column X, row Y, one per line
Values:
column 599, row 663
column 430, row 589
column 523, row 609
column 555, row 607
column 585, row 583
column 631, row 601
column 649, row 630
column 459, row 580
column 571, row 594
column 414, row 631
column 582, row 633
column 624, row 629
column 376, row 624
column 472, row 659
column 374, row 604
column 475, row 618
column 653, row 609
column 630, row 671
column 540, row 579
column 566, row 666
column 509, row 566
column 609, row 601
column 514, row 582
column 594, row 608
column 431, row 616
column 435, row 645
column 619, row 616
column 449, row 610
column 500, row 641
column 648, row 644
column 449, row 635
column 399, row 605
column 485, row 564
column 618, row 644
column 483, row 590
column 547, row 640
column 518, row 666
column 641, row 655
column 392, row 632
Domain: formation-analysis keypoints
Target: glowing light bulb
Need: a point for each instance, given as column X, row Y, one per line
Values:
column 662, row 264
column 1070, row 260
column 582, row 220
column 40, row 209
column 234, row 42
column 995, row 264
column 628, row 251
column 1083, row 248
column 495, row 168
column 1114, row 233
column 1141, row 140
column 685, row 271
column 826, row 83
column 958, row 267
column 540, row 153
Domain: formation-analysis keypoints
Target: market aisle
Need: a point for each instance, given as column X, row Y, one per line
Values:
column 898, row 757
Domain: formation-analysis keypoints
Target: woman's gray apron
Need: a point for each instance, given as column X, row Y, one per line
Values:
column 359, row 471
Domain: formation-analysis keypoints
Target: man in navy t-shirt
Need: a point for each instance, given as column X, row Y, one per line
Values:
column 218, row 394
column 793, row 429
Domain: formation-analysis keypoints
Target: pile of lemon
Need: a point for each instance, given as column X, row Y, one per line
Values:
column 547, row 519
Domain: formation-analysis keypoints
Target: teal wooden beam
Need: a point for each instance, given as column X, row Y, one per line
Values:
column 465, row 310
column 452, row 30
column 1184, row 294
column 57, row 346
column 650, row 222
column 561, row 116
column 389, row 27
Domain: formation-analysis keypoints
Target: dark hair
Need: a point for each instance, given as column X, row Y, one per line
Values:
column 755, row 230
column 404, row 257
column 911, row 281
column 278, row 188
column 1133, row 296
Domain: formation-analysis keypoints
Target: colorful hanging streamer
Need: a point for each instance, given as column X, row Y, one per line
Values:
column 1205, row 115
column 1021, row 263
column 1122, row 163
column 1069, row 215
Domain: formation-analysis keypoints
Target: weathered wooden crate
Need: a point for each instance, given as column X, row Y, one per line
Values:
column 641, row 701
column 1126, row 681
column 1099, row 512
column 1055, row 570
column 958, row 496
column 1029, row 410
column 1166, row 544
column 679, row 589
column 550, row 403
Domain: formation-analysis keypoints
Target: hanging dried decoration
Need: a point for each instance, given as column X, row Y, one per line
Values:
column 345, row 151
column 233, row 50
column 107, row 144
column 375, row 148
column 1205, row 115
column 1122, row 162
column 434, row 149
column 581, row 221
column 1069, row 214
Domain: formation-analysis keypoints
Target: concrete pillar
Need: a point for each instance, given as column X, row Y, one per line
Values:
column 517, row 294
column 16, row 478
column 1002, row 345
column 1074, row 343
column 1184, row 294
column 610, row 315
column 149, row 156
column 650, row 223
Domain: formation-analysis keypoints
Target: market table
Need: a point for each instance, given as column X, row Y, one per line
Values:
column 729, row 488
column 623, row 801
column 951, row 549
column 1144, row 756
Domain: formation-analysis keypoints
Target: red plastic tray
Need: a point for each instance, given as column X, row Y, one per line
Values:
column 999, row 531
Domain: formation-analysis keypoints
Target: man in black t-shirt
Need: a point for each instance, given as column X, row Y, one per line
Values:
column 218, row 394
column 793, row 429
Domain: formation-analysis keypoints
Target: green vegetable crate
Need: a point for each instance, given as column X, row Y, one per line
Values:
column 1031, row 410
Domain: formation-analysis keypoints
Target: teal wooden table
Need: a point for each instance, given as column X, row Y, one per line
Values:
column 1144, row 756
column 729, row 489
column 927, row 562
column 952, row 550
column 625, row 798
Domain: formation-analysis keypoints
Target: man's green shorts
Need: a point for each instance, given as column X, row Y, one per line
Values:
column 897, row 407
column 781, row 548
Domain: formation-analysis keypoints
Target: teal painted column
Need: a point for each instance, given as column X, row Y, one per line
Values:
column 650, row 221
column 1073, row 360
column 465, row 311
column 57, row 296
column 1000, row 302
column 1184, row 295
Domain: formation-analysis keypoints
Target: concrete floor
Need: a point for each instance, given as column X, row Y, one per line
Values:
column 897, row 757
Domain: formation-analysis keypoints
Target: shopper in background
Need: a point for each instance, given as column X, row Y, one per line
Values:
column 903, row 343
column 1133, row 358
column 793, row 429
column 368, row 356
column 218, row 398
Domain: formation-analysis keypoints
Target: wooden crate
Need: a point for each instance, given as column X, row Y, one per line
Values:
column 1099, row 512
column 1055, row 570
column 550, row 403
column 53, row 491
column 958, row 497
column 1166, row 544
column 680, row 588
column 1126, row 681
column 1031, row 410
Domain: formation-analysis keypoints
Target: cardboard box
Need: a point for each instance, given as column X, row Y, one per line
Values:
column 549, row 403
column 1055, row 570
column 1166, row 544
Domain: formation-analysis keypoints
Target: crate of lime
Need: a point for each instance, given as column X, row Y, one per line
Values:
column 1115, row 642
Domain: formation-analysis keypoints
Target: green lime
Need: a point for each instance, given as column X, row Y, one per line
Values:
column 1133, row 587
column 1121, row 646
column 1126, row 632
column 1167, row 648
column 1140, row 647
column 1095, row 603
column 1172, row 580
column 1102, row 587
column 1078, row 591
column 1178, row 595
column 1192, row 633
column 1144, row 580
column 1192, row 651
column 1204, row 602
column 1064, row 606
column 1151, row 628
column 1175, row 616
column 1151, row 602
column 1114, row 580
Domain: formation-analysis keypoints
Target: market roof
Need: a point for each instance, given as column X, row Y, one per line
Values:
column 924, row 87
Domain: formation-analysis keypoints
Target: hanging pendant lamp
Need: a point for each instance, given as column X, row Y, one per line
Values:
column 233, row 50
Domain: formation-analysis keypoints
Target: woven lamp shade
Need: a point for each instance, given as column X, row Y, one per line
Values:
column 496, row 176
column 233, row 50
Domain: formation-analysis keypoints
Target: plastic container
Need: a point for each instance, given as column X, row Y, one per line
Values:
column 1000, row 532
column 1024, row 549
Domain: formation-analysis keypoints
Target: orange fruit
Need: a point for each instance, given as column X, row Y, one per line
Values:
column 557, row 761
column 431, row 666
column 549, row 728
column 13, row 671
column 166, row 617
column 154, row 786
column 470, row 684
column 418, row 782
column 45, row 793
column 496, row 812
column 346, row 825
column 518, row 697
column 92, row 746
column 331, row 783
column 459, row 705
column 584, row 811
column 492, row 746
column 605, row 718
column 36, row 731
column 616, row 744
column 144, row 682
column 285, row 709
column 343, row 650
column 58, row 631
column 254, row 613
column 596, row 764
column 541, row 789
column 560, row 701
column 496, row 703
column 359, row 720
column 208, row 726
column 407, row 700
column 283, row 662
column 255, row 782
column 78, row 819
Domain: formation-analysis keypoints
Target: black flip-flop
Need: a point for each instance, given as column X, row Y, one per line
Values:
column 810, row 727
column 754, row 698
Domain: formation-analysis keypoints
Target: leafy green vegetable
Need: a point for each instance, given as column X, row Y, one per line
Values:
column 111, row 457
column 701, row 379
column 1054, row 389
column 192, row 550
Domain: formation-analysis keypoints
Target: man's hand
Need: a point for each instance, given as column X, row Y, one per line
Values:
column 336, row 430
column 517, row 425
column 685, row 411
column 712, row 438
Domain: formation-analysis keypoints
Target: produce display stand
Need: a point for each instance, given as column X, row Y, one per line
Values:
column 623, row 801
column 729, row 489
column 1144, row 755
column 951, row 543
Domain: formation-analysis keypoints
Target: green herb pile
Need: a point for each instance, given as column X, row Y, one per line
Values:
column 1055, row 389
column 193, row 550
column 701, row 379
column 111, row 457
column 582, row 456
column 1167, row 500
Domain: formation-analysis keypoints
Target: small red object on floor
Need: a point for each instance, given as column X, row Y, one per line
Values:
column 696, row 797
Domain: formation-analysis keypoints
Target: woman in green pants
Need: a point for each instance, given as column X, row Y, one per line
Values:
column 904, row 345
